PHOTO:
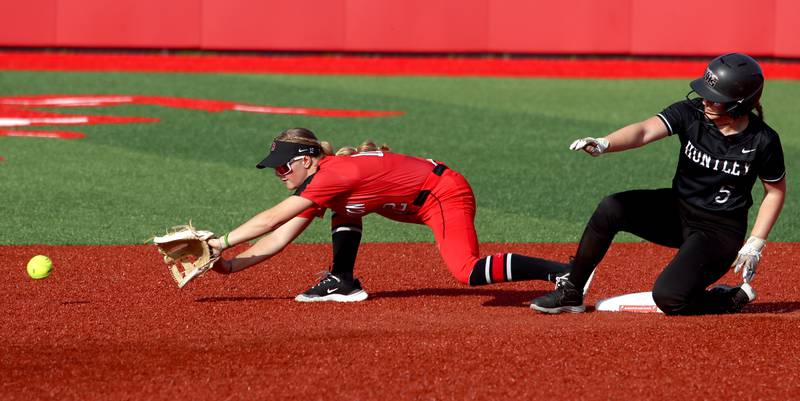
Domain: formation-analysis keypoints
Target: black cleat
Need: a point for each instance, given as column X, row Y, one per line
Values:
column 739, row 296
column 332, row 288
column 565, row 298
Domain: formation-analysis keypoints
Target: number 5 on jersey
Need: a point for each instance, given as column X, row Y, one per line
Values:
column 725, row 194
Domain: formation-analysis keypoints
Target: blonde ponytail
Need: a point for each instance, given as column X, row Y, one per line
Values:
column 366, row 146
column 327, row 148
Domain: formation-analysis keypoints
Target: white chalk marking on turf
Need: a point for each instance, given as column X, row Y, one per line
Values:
column 69, row 101
column 21, row 122
column 270, row 110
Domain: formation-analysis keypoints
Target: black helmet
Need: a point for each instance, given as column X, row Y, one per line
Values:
column 734, row 79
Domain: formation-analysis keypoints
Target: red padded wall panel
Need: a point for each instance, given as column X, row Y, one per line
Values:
column 578, row 26
column 691, row 27
column 274, row 24
column 129, row 23
column 787, row 30
column 28, row 23
column 637, row 27
column 417, row 25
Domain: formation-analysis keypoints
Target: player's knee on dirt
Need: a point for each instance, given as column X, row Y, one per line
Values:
column 480, row 274
column 477, row 271
column 669, row 301
column 477, row 277
column 461, row 272
column 461, row 277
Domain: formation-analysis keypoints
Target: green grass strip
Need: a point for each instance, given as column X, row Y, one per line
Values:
column 509, row 137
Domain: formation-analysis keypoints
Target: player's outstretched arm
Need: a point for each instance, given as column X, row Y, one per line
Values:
column 264, row 222
column 266, row 247
column 631, row 136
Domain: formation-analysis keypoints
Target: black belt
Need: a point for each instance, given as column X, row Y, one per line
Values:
column 423, row 195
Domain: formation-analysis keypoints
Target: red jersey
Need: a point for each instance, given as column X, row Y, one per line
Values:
column 369, row 182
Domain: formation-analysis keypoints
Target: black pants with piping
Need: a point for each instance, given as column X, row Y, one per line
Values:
column 707, row 244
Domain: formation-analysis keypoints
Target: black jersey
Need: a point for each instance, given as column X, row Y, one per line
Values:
column 717, row 172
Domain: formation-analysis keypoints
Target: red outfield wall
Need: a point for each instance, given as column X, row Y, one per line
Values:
column 635, row 27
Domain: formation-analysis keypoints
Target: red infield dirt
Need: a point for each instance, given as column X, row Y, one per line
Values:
column 109, row 324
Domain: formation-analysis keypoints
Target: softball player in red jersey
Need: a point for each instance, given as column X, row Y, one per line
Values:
column 370, row 180
column 724, row 149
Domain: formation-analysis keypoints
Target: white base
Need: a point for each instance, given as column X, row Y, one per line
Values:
column 639, row 302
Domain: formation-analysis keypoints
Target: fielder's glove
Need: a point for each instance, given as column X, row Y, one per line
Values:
column 748, row 258
column 592, row 146
column 186, row 252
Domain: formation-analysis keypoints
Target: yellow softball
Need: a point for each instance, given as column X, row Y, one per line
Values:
column 40, row 267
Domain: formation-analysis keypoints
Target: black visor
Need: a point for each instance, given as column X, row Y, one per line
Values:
column 282, row 152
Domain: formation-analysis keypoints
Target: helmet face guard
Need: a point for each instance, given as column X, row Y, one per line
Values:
column 734, row 80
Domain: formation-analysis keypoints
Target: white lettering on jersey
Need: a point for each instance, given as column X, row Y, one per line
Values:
column 356, row 208
column 725, row 194
column 731, row 167
column 399, row 208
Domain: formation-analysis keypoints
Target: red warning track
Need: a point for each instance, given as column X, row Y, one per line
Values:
column 110, row 324
column 556, row 68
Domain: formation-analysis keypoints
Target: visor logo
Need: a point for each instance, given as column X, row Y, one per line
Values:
column 710, row 78
column 310, row 150
column 274, row 145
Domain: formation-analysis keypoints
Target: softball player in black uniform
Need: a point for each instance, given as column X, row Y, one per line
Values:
column 724, row 148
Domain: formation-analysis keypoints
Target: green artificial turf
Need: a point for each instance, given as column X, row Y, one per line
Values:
column 509, row 137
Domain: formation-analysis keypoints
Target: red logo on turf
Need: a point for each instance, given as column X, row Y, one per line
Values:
column 16, row 111
column 639, row 308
